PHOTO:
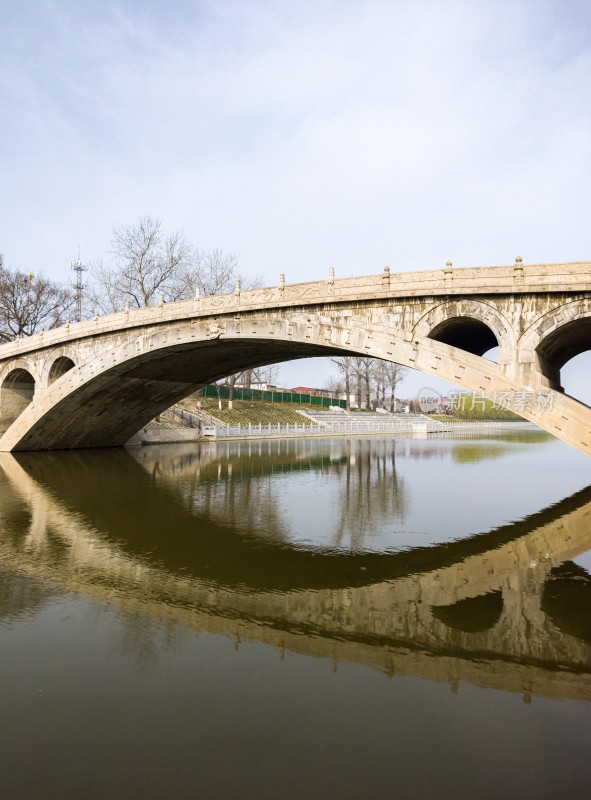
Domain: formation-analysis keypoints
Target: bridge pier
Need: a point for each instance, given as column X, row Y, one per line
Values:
column 525, row 369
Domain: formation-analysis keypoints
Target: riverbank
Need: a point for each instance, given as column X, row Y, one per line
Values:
column 198, row 419
column 415, row 427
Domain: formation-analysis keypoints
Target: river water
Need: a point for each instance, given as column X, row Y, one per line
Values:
column 342, row 618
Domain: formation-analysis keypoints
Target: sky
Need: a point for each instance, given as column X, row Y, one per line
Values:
column 300, row 134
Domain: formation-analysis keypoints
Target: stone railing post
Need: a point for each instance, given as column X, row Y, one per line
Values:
column 448, row 274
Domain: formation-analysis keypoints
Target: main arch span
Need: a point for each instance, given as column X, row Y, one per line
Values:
column 95, row 383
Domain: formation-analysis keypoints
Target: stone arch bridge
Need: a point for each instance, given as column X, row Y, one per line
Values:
column 95, row 383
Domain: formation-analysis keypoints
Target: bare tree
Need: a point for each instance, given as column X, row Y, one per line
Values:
column 30, row 303
column 366, row 373
column 218, row 390
column 333, row 386
column 356, row 367
column 247, row 378
column 394, row 374
column 232, row 380
column 147, row 262
column 217, row 273
column 368, row 378
column 213, row 273
column 380, row 380
column 345, row 366
column 269, row 374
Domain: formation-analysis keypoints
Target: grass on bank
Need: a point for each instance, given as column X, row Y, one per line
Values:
column 478, row 410
column 255, row 412
column 262, row 412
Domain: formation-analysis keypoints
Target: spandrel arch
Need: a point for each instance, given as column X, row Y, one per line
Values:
column 59, row 367
column 17, row 389
column 557, row 337
column 469, row 325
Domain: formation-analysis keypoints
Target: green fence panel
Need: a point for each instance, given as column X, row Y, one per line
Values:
column 270, row 396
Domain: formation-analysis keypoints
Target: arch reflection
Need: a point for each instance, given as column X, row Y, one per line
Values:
column 200, row 538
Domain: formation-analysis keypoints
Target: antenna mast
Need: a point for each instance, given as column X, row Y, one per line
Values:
column 78, row 268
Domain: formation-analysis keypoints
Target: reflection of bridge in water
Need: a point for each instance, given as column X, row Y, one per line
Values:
column 497, row 609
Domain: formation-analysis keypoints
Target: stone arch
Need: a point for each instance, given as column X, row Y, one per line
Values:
column 136, row 375
column 472, row 614
column 469, row 325
column 558, row 336
column 16, row 393
column 107, row 399
column 59, row 367
column 28, row 365
column 566, row 589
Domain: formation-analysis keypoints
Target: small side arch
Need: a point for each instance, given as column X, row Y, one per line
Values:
column 469, row 325
column 60, row 366
column 559, row 336
column 16, row 393
column 473, row 614
column 568, row 587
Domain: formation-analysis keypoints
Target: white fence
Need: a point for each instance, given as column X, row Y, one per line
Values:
column 327, row 429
